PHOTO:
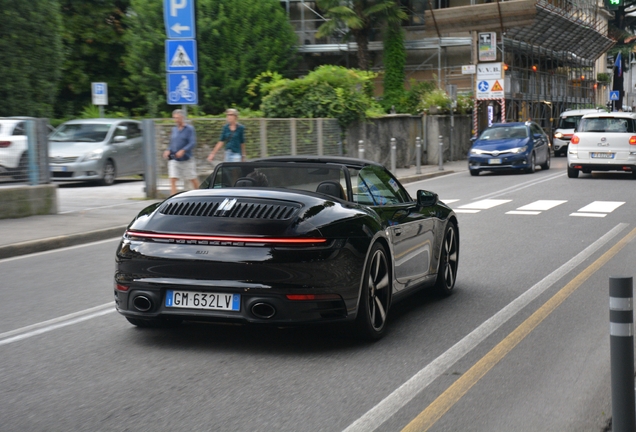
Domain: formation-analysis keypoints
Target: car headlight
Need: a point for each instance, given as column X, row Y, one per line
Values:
column 558, row 135
column 476, row 151
column 519, row 149
column 95, row 154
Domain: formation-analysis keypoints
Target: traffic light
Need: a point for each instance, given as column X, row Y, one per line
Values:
column 614, row 4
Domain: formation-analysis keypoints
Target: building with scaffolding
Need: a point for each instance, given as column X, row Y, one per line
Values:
column 551, row 51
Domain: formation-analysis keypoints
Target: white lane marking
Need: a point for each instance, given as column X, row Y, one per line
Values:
column 391, row 404
column 542, row 205
column 519, row 187
column 37, row 254
column 596, row 215
column 449, row 201
column 519, row 212
column 55, row 323
column 466, row 211
column 484, row 204
column 601, row 207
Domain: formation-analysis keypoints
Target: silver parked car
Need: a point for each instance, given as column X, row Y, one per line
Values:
column 96, row 150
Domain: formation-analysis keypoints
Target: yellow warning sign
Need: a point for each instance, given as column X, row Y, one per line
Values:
column 496, row 87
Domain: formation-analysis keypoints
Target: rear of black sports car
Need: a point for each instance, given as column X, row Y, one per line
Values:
column 219, row 254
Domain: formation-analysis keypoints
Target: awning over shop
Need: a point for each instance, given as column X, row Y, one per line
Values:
column 535, row 22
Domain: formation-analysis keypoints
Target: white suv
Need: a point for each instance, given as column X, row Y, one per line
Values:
column 13, row 148
column 603, row 142
column 568, row 121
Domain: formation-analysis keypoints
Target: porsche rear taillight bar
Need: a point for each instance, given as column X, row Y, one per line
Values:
column 277, row 240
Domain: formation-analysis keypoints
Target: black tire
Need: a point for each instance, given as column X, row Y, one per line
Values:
column 533, row 164
column 22, row 171
column 109, row 174
column 573, row 172
column 448, row 261
column 546, row 164
column 153, row 323
column 375, row 296
column 474, row 172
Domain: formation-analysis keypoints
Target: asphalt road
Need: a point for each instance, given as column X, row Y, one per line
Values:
column 523, row 343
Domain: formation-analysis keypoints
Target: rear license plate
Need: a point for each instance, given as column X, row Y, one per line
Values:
column 494, row 161
column 201, row 300
column 58, row 168
column 603, row 155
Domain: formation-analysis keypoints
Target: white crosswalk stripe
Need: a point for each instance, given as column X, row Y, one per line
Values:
column 597, row 209
column 480, row 205
column 536, row 207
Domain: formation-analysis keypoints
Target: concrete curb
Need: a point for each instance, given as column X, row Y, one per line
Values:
column 42, row 245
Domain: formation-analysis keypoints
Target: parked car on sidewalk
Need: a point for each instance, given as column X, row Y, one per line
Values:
column 286, row 240
column 510, row 146
column 603, row 142
column 568, row 121
column 96, row 150
column 14, row 156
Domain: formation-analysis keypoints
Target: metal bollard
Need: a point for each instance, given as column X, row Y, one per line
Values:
column 441, row 153
column 361, row 149
column 418, row 155
column 622, row 353
column 393, row 155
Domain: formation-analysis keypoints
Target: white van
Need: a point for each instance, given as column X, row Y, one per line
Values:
column 568, row 121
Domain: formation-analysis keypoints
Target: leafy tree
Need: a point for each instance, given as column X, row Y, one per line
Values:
column 236, row 41
column 94, row 48
column 328, row 91
column 394, row 62
column 360, row 19
column 32, row 56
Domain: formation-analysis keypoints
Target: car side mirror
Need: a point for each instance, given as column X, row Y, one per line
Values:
column 119, row 138
column 426, row 198
column 473, row 139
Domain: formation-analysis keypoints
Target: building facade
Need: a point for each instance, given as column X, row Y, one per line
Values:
column 551, row 51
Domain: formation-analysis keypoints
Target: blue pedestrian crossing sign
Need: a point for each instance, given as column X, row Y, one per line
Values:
column 614, row 95
column 181, row 55
column 178, row 17
column 182, row 88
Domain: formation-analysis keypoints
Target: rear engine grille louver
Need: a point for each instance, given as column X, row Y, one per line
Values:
column 241, row 210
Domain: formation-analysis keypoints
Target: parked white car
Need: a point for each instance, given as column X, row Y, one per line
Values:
column 14, row 158
column 603, row 142
column 568, row 121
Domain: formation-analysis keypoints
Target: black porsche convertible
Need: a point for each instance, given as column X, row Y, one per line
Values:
column 286, row 240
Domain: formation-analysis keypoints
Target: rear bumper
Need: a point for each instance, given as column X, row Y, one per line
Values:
column 259, row 275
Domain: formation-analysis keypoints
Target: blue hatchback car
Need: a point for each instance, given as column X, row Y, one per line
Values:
column 508, row 146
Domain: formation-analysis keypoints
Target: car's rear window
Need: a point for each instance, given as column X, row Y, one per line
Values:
column 570, row 122
column 606, row 124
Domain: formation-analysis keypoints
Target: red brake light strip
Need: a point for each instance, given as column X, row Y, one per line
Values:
column 225, row 239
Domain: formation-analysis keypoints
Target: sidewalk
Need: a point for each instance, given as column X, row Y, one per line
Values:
column 93, row 214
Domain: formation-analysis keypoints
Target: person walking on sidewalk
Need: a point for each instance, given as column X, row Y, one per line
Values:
column 233, row 136
column 181, row 162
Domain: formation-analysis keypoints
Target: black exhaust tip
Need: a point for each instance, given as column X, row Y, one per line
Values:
column 142, row 303
column 263, row 310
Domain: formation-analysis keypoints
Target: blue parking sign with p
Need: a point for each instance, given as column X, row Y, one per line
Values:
column 179, row 19
column 182, row 88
